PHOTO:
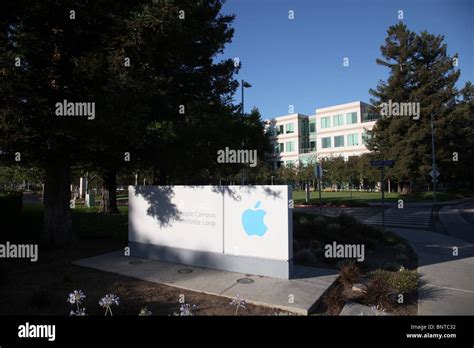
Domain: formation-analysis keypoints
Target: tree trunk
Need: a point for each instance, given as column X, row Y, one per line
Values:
column 108, row 204
column 159, row 176
column 57, row 229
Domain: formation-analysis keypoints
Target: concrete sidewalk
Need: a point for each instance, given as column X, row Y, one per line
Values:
column 447, row 281
column 452, row 219
column 298, row 295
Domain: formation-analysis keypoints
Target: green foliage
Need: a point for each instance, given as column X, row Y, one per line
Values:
column 403, row 281
column 342, row 229
column 421, row 71
column 305, row 257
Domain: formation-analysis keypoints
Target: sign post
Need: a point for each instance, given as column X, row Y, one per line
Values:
column 318, row 173
column 382, row 164
column 434, row 177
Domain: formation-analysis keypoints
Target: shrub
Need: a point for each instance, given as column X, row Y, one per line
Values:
column 392, row 239
column 377, row 292
column 402, row 281
column 305, row 256
column 349, row 273
column 347, row 220
column 333, row 228
column 334, row 301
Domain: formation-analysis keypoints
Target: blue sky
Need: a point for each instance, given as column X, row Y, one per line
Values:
column 299, row 62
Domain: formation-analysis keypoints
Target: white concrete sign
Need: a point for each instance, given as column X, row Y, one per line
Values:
column 257, row 222
column 227, row 227
column 176, row 216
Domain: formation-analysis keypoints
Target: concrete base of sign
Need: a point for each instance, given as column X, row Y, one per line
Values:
column 225, row 262
column 298, row 295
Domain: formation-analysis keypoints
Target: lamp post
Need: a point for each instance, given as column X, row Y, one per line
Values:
column 243, row 84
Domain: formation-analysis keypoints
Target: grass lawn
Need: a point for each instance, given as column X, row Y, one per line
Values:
column 359, row 198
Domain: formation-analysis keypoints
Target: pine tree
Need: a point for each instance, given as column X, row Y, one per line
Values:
column 421, row 72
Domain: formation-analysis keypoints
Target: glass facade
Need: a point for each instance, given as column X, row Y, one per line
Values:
column 338, row 120
column 351, row 117
column 326, row 122
column 326, row 143
column 339, row 141
column 353, row 139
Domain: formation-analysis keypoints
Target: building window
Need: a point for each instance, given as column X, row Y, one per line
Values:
column 369, row 116
column 338, row 120
column 365, row 137
column 339, row 141
column 304, row 143
column 290, row 163
column 312, row 127
column 326, row 143
column 280, row 129
column 279, row 148
column 290, row 128
column 304, row 127
column 279, row 164
column 326, row 122
column 353, row 139
column 290, row 146
column 351, row 117
column 312, row 145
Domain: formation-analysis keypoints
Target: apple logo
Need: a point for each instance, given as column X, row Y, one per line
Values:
column 252, row 221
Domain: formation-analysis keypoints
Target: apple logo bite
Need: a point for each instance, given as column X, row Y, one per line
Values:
column 252, row 221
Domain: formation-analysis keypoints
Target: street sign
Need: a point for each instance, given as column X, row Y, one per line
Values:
column 434, row 173
column 382, row 163
column 318, row 171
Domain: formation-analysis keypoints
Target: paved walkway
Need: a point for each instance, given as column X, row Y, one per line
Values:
column 447, row 281
column 458, row 220
column 411, row 217
column 298, row 295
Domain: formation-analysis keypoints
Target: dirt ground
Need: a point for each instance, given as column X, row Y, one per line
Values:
column 42, row 287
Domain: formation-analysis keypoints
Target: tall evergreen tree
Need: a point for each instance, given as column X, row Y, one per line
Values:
column 421, row 72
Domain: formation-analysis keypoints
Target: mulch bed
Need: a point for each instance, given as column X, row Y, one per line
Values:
column 41, row 288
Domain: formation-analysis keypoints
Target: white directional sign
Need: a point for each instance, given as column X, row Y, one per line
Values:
column 434, row 173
